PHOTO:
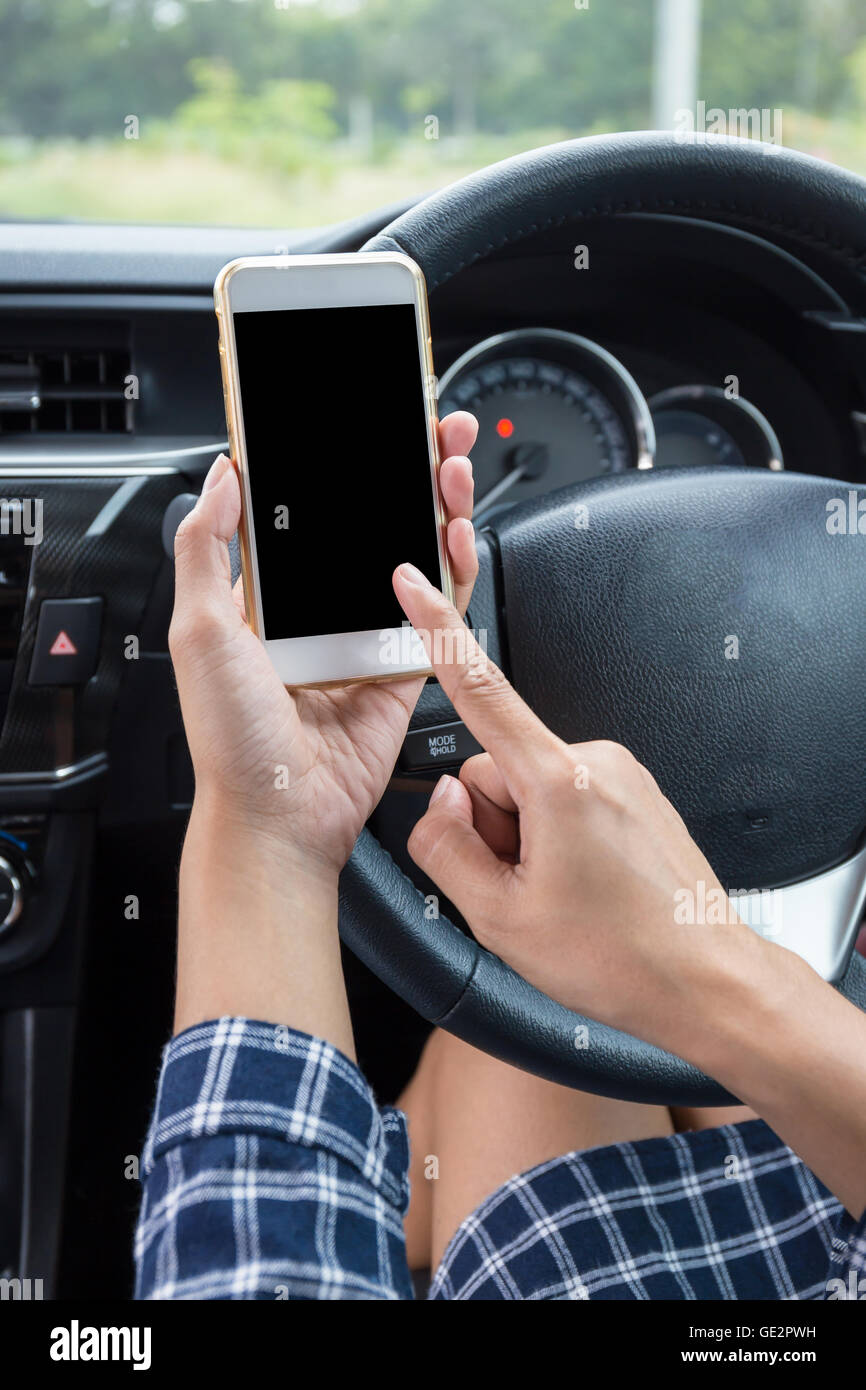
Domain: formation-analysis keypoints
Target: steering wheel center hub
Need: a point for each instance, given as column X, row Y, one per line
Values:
column 694, row 616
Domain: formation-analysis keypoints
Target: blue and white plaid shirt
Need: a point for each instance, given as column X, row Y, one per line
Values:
column 270, row 1173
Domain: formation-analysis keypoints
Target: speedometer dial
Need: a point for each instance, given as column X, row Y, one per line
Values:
column 704, row 425
column 552, row 409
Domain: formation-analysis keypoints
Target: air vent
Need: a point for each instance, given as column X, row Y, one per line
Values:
column 67, row 378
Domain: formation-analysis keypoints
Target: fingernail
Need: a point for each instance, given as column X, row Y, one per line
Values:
column 215, row 472
column 414, row 576
column 442, row 788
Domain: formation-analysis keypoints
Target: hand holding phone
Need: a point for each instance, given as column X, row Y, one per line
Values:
column 303, row 768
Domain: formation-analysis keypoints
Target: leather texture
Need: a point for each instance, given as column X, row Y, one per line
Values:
column 382, row 918
column 760, row 187
column 619, row 630
column 625, row 630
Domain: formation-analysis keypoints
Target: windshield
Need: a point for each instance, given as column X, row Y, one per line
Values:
column 301, row 112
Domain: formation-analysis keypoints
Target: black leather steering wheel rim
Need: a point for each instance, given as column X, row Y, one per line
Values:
column 446, row 976
column 764, row 188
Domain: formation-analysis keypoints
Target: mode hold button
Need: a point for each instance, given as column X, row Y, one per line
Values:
column 66, row 649
column 440, row 745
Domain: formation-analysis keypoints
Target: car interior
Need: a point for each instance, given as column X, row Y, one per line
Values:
column 679, row 327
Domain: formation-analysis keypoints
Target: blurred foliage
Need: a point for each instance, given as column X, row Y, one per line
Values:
column 278, row 126
column 306, row 89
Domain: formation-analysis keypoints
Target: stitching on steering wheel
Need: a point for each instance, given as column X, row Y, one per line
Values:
column 803, row 231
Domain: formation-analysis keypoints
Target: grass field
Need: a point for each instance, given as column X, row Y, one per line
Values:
column 130, row 181
column 125, row 181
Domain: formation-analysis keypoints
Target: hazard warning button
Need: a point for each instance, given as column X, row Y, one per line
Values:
column 67, row 641
column 63, row 645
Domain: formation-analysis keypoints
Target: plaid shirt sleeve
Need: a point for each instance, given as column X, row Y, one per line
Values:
column 269, row 1172
column 847, row 1278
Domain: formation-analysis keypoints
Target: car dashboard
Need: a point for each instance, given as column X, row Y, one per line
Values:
column 656, row 342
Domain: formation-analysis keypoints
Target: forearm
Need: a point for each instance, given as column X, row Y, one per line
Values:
column 786, row 1043
column 251, row 1096
column 257, row 931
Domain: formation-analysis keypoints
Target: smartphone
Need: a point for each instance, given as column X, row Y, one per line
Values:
column 332, row 418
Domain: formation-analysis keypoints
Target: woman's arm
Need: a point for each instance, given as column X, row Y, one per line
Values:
column 257, row 930
column 785, row 1042
column 569, row 863
column 269, row 1170
column 284, row 781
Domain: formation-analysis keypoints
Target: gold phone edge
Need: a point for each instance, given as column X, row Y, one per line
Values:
column 231, row 400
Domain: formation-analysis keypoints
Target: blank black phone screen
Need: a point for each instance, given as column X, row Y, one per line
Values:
column 339, row 466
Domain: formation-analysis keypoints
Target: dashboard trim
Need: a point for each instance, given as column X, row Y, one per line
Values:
column 87, row 767
column 760, row 243
column 72, row 471
column 64, row 463
column 817, row 918
column 111, row 302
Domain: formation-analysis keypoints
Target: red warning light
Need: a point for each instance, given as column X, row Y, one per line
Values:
column 63, row 645
column 505, row 427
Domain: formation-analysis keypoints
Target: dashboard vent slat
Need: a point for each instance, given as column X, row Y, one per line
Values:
column 64, row 389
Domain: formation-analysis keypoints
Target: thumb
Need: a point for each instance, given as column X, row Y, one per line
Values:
column 446, row 846
column 202, row 566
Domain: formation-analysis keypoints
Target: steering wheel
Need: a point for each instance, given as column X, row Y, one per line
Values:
column 617, row 629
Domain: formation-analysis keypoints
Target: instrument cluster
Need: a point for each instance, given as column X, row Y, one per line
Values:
column 555, row 408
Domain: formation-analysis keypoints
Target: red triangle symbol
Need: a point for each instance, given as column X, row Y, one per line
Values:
column 63, row 645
